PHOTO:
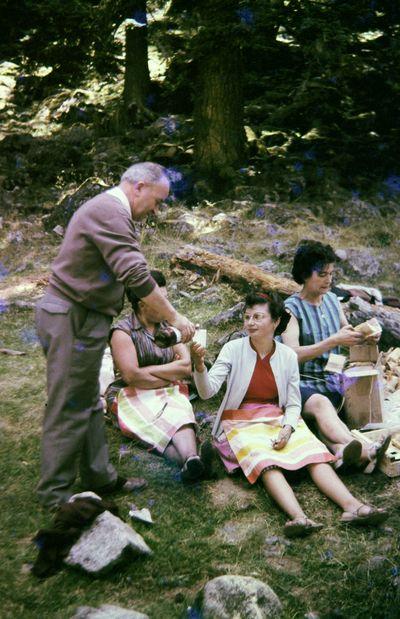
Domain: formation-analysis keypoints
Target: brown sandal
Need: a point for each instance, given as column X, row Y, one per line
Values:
column 374, row 516
column 301, row 527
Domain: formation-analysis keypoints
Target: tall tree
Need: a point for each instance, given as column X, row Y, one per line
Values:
column 218, row 95
column 137, row 76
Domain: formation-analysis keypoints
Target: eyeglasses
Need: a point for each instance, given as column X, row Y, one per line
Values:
column 258, row 317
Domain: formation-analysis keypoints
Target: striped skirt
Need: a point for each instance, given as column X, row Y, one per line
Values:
column 152, row 416
column 249, row 433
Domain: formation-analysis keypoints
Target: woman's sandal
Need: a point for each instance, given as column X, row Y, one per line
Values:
column 379, row 449
column 351, row 455
column 374, row 516
column 301, row 527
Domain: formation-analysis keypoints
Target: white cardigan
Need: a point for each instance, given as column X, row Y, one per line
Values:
column 236, row 363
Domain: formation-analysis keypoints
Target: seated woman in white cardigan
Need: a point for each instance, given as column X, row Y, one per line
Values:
column 258, row 426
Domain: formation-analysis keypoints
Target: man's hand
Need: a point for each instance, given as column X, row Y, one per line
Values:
column 198, row 353
column 347, row 336
column 283, row 438
column 184, row 325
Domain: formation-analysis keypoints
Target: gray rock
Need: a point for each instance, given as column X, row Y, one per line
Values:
column 106, row 543
column 231, row 336
column 362, row 262
column 268, row 266
column 107, row 611
column 233, row 313
column 229, row 596
column 341, row 253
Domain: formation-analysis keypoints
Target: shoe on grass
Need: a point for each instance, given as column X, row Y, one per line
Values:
column 300, row 527
column 192, row 470
column 122, row 484
column 372, row 516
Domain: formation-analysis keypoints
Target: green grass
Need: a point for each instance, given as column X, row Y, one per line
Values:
column 331, row 570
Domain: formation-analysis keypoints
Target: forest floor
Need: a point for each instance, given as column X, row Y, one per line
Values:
column 221, row 526
column 217, row 527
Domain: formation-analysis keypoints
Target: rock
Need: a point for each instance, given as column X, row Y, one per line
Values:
column 180, row 226
column 225, row 219
column 227, row 492
column 63, row 211
column 268, row 265
column 274, row 229
column 235, row 335
column 143, row 515
column 105, row 544
column 226, row 597
column 107, row 611
column 233, row 313
column 341, row 253
column 59, row 230
column 362, row 262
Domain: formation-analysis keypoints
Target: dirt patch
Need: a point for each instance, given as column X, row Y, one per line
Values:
column 227, row 492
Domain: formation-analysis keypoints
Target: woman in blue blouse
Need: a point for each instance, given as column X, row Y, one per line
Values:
column 318, row 327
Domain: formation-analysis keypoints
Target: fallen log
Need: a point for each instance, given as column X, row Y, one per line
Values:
column 234, row 271
column 242, row 274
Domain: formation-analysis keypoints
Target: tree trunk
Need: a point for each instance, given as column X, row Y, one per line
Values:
column 218, row 112
column 137, row 76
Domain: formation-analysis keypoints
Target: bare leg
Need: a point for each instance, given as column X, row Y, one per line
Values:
column 278, row 488
column 334, row 433
column 184, row 442
column 329, row 484
column 172, row 454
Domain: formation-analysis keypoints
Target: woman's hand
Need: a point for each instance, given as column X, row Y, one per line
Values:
column 347, row 336
column 198, row 353
column 283, row 438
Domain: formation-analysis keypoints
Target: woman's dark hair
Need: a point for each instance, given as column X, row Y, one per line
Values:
column 275, row 306
column 158, row 277
column 311, row 256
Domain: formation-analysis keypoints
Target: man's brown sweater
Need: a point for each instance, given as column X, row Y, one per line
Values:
column 99, row 256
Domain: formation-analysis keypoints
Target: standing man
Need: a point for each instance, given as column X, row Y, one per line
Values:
column 99, row 257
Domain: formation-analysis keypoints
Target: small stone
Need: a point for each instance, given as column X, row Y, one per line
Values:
column 268, row 265
column 143, row 515
column 59, row 230
column 107, row 611
column 233, row 313
column 341, row 253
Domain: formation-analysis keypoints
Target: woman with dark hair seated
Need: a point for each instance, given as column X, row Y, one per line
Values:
column 150, row 402
column 258, row 426
column 317, row 327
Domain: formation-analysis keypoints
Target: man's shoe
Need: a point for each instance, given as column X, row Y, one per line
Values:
column 122, row 484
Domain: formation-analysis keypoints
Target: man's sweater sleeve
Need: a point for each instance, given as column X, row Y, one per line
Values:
column 115, row 237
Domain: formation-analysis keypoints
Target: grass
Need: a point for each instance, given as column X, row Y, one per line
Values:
column 337, row 573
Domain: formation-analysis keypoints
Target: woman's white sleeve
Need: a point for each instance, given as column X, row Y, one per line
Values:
column 208, row 383
column 293, row 402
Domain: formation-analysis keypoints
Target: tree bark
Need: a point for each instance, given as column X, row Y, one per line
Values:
column 218, row 103
column 234, row 271
column 137, row 76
